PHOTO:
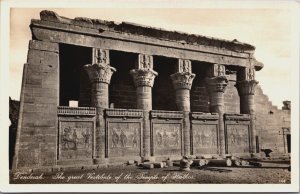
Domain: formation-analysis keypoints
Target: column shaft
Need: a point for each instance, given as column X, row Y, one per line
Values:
column 246, row 90
column 182, row 83
column 100, row 73
column 216, row 83
column 143, row 77
column 144, row 97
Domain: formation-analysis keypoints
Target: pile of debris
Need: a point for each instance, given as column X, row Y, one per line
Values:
column 197, row 161
column 148, row 164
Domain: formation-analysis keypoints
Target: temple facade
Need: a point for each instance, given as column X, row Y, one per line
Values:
column 96, row 92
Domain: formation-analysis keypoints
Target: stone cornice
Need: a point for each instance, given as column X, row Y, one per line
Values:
column 138, row 29
column 75, row 111
column 52, row 31
column 166, row 114
column 204, row 116
column 136, row 113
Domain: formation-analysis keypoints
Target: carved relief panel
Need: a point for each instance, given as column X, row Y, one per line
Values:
column 217, row 70
column 75, row 139
column 100, row 56
column 204, row 133
column 184, row 66
column 167, row 138
column 145, row 62
column 123, row 139
column 205, row 138
column 237, row 138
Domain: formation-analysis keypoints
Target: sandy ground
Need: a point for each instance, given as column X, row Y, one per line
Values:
column 270, row 174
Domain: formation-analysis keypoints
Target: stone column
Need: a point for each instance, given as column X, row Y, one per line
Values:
column 216, row 83
column 246, row 85
column 99, row 73
column 143, row 77
column 182, row 83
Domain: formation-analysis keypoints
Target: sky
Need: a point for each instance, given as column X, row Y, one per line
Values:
column 268, row 29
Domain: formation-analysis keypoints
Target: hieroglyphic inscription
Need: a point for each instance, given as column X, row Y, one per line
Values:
column 75, row 139
column 237, row 137
column 124, row 139
column 204, row 139
column 167, row 139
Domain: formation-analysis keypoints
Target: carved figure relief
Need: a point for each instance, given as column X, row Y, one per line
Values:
column 75, row 139
column 115, row 138
column 237, row 138
column 101, row 56
column 220, row 70
column 145, row 61
column 135, row 138
column 166, row 137
column 70, row 139
column 124, row 137
column 250, row 73
column 204, row 139
column 184, row 66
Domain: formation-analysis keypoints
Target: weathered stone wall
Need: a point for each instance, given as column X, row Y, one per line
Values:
column 269, row 122
column 37, row 130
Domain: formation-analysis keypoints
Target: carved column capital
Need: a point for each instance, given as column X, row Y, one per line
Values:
column 99, row 73
column 216, row 84
column 246, row 82
column 184, row 77
column 182, row 80
column 144, row 74
column 216, row 80
column 246, row 87
column 143, row 77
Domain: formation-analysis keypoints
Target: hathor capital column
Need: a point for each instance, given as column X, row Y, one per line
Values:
column 246, row 85
column 143, row 77
column 216, row 83
column 182, row 83
column 100, row 73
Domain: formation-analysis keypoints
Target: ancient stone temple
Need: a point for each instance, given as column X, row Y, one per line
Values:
column 96, row 92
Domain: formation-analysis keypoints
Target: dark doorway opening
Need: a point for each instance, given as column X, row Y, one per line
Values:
column 199, row 95
column 163, row 93
column 122, row 92
column 74, row 81
column 288, row 140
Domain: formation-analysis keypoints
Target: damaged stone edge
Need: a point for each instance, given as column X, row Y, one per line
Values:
column 237, row 117
column 127, row 27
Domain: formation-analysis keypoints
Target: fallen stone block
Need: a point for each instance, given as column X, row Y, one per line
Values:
column 220, row 162
column 185, row 164
column 130, row 162
column 158, row 165
column 169, row 163
column 147, row 165
column 244, row 163
column 257, row 164
column 199, row 162
column 165, row 164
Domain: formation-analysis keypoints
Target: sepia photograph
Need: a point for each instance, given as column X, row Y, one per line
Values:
column 151, row 96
